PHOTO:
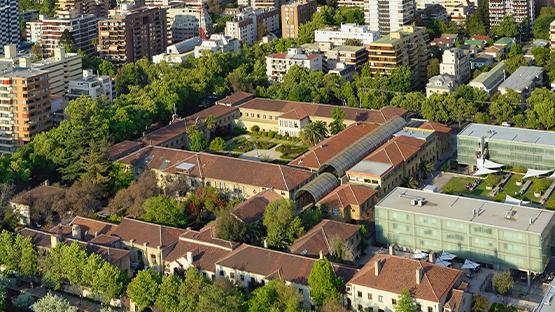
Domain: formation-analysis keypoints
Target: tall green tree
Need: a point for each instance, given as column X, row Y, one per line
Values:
column 411, row 101
column 197, row 139
column 53, row 303
column 541, row 23
column 542, row 107
column 505, row 106
column 230, row 228
column 507, row 28
column 405, row 302
column 282, row 224
column 168, row 298
column 503, row 282
column 143, row 289
column 433, row 68
column 475, row 26
column 108, row 282
column 314, row 132
column 324, row 285
column 165, row 210
column 274, row 296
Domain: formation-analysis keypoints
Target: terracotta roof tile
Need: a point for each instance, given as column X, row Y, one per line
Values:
column 398, row 273
column 318, row 238
column 123, row 148
column 206, row 235
column 346, row 195
column 38, row 238
column 166, row 133
column 436, row 126
column 236, row 98
column 252, row 209
column 204, row 257
column 141, row 232
column 297, row 114
column 89, row 227
column 214, row 110
column 276, row 264
column 156, row 157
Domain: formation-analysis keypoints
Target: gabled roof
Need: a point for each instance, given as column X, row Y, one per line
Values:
column 206, row 235
column 296, row 114
column 273, row 264
column 436, row 126
column 214, row 110
column 398, row 273
column 236, row 98
column 38, row 238
column 252, row 209
column 347, row 195
column 156, row 157
column 166, row 133
column 123, row 148
column 204, row 257
column 140, row 232
column 320, row 236
column 35, row 194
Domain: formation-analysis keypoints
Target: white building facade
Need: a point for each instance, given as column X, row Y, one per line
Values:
column 91, row 85
column 218, row 43
column 338, row 36
column 455, row 63
column 278, row 64
column 388, row 16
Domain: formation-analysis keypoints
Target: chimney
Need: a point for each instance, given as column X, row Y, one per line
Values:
column 59, row 54
column 24, row 62
column 54, row 240
column 419, row 275
column 76, row 232
column 432, row 257
column 378, row 267
column 190, row 257
column 391, row 250
column 321, row 255
column 10, row 51
column 265, row 244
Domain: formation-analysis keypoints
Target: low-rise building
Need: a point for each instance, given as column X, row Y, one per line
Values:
column 444, row 42
column 456, row 64
column 356, row 56
column 91, row 85
column 252, row 210
column 326, row 237
column 441, row 84
column 345, row 71
column 499, row 235
column 179, row 52
column 490, row 80
column 505, row 44
column 523, row 81
column 378, row 285
column 218, row 43
column 278, row 64
column 239, row 268
column 350, row 202
column 346, row 33
column 482, row 60
column 552, row 35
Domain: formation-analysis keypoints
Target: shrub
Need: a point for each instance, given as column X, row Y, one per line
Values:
column 24, row 300
column 255, row 129
column 272, row 134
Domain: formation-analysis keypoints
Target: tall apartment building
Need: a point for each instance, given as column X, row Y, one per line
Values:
column 73, row 8
column 338, row 35
column 455, row 63
column 294, row 14
column 188, row 21
column 388, row 16
column 458, row 10
column 9, row 23
column 61, row 68
column 251, row 25
column 278, row 64
column 132, row 33
column 552, row 35
column 48, row 31
column 351, row 3
column 521, row 10
column 24, row 107
column 261, row 4
column 405, row 47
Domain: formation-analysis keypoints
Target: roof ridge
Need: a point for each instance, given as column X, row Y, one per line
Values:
column 400, row 152
column 351, row 188
column 326, row 240
column 283, row 176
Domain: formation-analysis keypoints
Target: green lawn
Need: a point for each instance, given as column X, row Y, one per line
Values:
column 240, row 145
column 289, row 151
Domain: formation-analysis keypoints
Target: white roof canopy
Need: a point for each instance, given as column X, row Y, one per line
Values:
column 491, row 165
column 484, row 171
column 447, row 256
column 419, row 255
column 515, row 201
column 471, row 265
column 442, row 262
column 535, row 173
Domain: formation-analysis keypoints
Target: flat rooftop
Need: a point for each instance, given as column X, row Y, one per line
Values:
column 459, row 208
column 509, row 134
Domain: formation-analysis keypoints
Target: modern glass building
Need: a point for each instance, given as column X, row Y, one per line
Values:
column 531, row 149
column 502, row 235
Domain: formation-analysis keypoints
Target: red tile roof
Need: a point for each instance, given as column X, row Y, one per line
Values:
column 141, row 232
column 252, row 210
column 297, row 114
column 166, row 133
column 334, row 145
column 38, row 238
column 236, row 98
column 206, row 235
column 398, row 273
column 478, row 37
column 324, row 110
column 319, row 237
column 204, row 256
column 123, row 148
column 436, row 126
column 274, row 264
column 214, row 110
column 156, row 157
column 89, row 228
column 346, row 195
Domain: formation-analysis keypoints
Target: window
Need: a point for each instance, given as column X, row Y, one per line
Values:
column 300, row 291
column 359, row 307
column 232, row 275
column 221, row 272
column 430, row 309
column 380, row 298
column 242, row 277
column 393, row 301
column 369, row 296
column 359, row 294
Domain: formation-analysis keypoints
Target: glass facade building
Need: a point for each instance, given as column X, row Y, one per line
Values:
column 501, row 235
column 515, row 147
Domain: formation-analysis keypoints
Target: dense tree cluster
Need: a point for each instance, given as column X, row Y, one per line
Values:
column 17, row 254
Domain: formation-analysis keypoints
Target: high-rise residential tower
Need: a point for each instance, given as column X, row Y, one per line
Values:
column 9, row 23
column 388, row 16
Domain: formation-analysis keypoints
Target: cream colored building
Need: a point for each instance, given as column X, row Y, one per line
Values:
column 278, row 64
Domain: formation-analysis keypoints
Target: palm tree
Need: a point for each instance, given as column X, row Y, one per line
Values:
column 210, row 122
column 314, row 132
column 412, row 183
column 427, row 168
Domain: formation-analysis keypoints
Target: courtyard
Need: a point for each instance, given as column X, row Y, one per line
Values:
column 264, row 146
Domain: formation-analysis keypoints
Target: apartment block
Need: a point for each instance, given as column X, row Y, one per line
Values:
column 521, row 10
column 68, row 9
column 458, row 10
column 188, row 21
column 250, row 25
column 351, row 3
column 9, row 23
column 82, row 28
column 217, row 43
column 378, row 285
column 91, row 85
column 515, row 147
column 498, row 235
column 405, row 47
column 262, row 4
column 24, row 107
column 294, row 14
column 132, row 33
column 357, row 56
column 352, row 32
column 387, row 16
column 455, row 63
column 278, row 64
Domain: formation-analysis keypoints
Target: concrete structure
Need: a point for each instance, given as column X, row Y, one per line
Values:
column 455, row 63
column 491, row 80
column 179, row 52
column 521, row 10
column 91, row 85
column 278, row 64
column 523, row 81
column 444, row 42
column 433, row 12
column 218, row 43
column 356, row 56
column 345, row 71
column 82, row 28
column 251, row 25
column 294, row 15
column 458, row 10
column 441, row 84
column 352, row 32
column 351, row 3
column 24, row 107
column 508, row 146
column 379, row 283
column 67, row 9
column 496, row 234
column 131, row 33
column 388, row 16
column 9, row 23
column 188, row 21
column 406, row 47
column 261, row 4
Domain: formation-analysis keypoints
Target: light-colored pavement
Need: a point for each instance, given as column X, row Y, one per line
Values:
column 257, row 154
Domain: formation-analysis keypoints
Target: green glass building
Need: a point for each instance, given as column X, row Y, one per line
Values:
column 501, row 235
column 515, row 147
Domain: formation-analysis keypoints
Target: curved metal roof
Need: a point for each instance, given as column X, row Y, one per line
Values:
column 320, row 186
column 341, row 162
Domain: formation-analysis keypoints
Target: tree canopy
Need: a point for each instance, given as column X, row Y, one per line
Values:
column 324, row 285
column 282, row 224
column 274, row 296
